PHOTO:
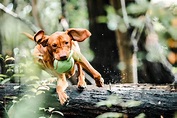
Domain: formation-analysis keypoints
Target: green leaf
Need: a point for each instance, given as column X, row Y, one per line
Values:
column 131, row 103
column 16, row 51
column 172, row 31
column 136, row 22
column 1, row 79
column 5, row 81
column 51, row 109
column 2, row 75
column 33, row 90
column 42, row 109
column 140, row 7
column 16, row 87
column 142, row 115
column 110, row 115
column 18, row 75
column 1, row 57
column 112, row 100
column 43, row 87
column 39, row 92
column 159, row 27
column 58, row 112
column 33, row 85
column 101, row 19
column 27, row 96
column 9, row 58
column 32, row 78
column 122, row 27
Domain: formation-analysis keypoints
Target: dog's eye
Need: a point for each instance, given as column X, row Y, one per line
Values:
column 54, row 45
column 66, row 43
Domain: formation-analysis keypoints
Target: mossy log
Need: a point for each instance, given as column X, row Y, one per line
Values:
column 155, row 101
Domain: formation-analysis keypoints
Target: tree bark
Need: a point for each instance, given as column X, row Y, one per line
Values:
column 155, row 101
column 126, row 57
column 125, row 47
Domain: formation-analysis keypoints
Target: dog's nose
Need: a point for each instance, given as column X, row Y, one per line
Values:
column 63, row 57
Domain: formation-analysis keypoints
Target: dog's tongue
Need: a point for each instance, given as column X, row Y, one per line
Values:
column 64, row 66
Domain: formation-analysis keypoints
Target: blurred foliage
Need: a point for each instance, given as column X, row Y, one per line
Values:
column 163, row 21
column 110, row 115
column 117, row 101
column 9, row 65
column 16, row 45
column 39, row 89
column 160, row 16
column 50, row 13
column 35, row 103
column 77, row 13
column 17, row 48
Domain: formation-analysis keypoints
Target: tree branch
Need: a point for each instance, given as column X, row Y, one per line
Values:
column 35, row 13
column 13, row 14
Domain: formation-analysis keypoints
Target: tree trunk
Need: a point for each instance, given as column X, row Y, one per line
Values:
column 2, row 65
column 126, row 57
column 125, row 48
column 155, row 101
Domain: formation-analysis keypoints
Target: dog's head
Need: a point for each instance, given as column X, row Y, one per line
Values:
column 59, row 44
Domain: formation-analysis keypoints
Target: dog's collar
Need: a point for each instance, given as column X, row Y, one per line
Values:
column 64, row 66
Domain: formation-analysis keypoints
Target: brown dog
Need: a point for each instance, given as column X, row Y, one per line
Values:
column 59, row 47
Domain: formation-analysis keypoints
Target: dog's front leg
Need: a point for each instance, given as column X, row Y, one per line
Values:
column 62, row 84
column 81, row 78
column 86, row 65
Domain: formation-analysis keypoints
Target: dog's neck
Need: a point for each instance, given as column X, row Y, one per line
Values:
column 50, row 55
column 46, row 56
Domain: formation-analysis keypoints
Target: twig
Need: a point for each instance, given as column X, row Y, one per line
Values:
column 135, row 36
column 125, row 16
column 35, row 13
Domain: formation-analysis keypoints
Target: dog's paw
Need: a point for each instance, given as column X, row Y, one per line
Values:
column 64, row 99
column 99, row 82
column 81, row 85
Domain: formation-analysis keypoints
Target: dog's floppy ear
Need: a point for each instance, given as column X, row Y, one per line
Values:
column 78, row 34
column 40, row 38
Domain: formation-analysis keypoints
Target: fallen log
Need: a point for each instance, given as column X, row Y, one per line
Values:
column 155, row 100
column 132, row 99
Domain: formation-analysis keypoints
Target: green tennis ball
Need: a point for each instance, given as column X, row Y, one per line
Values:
column 63, row 66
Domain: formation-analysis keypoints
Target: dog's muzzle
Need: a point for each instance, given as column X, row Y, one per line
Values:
column 65, row 65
